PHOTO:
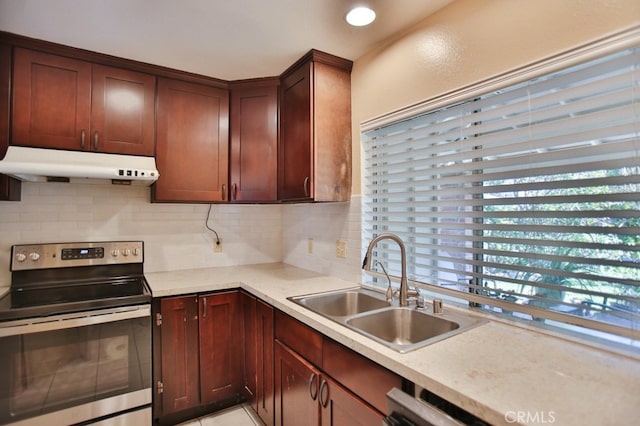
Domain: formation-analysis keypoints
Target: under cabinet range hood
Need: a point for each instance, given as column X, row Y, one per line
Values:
column 41, row 165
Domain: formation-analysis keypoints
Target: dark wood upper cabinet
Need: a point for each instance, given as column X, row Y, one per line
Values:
column 314, row 158
column 271, row 139
column 123, row 111
column 64, row 103
column 51, row 101
column 10, row 189
column 254, row 141
column 192, row 147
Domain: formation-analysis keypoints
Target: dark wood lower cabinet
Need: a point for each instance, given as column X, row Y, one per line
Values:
column 200, row 368
column 306, row 396
column 264, row 366
column 217, row 349
column 178, row 386
column 220, row 346
column 296, row 383
column 258, row 357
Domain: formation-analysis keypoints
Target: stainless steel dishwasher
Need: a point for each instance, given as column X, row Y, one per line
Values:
column 425, row 410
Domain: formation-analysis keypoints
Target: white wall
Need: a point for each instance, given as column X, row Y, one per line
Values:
column 325, row 225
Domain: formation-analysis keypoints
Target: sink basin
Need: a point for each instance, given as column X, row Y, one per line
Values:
column 343, row 303
column 400, row 328
column 403, row 327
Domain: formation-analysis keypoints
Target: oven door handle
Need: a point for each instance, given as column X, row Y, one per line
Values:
column 78, row 319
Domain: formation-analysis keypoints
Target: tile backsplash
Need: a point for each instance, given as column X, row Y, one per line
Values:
column 175, row 235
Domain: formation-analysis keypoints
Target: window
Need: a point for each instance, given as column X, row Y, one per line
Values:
column 524, row 199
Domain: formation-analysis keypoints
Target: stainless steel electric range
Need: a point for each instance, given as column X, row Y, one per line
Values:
column 75, row 335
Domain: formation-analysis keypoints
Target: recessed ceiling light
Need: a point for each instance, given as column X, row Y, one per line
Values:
column 361, row 16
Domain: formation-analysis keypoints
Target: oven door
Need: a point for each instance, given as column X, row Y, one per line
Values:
column 77, row 367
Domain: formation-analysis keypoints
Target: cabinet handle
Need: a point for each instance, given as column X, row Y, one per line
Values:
column 204, row 307
column 95, row 140
column 306, row 186
column 82, row 137
column 324, row 401
column 224, row 192
column 312, row 380
column 234, row 192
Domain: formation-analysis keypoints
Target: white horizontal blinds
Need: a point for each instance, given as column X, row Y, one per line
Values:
column 530, row 194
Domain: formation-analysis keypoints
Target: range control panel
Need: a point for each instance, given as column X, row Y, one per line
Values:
column 64, row 255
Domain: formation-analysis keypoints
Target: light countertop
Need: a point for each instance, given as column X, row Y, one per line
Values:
column 500, row 372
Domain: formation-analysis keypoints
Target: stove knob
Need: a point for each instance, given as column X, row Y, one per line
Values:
column 135, row 251
column 126, row 252
column 34, row 256
column 115, row 252
column 21, row 257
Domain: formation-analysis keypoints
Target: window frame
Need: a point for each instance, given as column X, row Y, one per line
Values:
column 577, row 56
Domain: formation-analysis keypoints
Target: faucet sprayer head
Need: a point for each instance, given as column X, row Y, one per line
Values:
column 365, row 263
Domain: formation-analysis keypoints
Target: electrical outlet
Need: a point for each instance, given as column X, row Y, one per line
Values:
column 341, row 248
column 310, row 246
column 217, row 246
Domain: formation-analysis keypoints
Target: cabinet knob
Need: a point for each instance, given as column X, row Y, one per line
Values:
column 95, row 140
column 224, row 192
column 82, row 137
column 234, row 192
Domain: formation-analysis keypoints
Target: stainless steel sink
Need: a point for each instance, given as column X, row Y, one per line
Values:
column 400, row 328
column 342, row 303
column 405, row 329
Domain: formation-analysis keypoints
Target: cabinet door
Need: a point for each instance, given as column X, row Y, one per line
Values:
column 295, row 157
column 296, row 386
column 51, row 101
column 192, row 142
column 363, row 377
column 341, row 408
column 10, row 189
column 248, row 304
column 123, row 111
column 254, row 142
column 264, row 367
column 179, row 336
column 332, row 133
column 220, row 346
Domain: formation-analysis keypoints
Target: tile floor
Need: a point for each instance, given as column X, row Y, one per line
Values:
column 240, row 415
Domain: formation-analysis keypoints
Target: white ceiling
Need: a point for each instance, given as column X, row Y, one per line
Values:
column 227, row 39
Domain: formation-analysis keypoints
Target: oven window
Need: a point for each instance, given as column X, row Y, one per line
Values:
column 53, row 370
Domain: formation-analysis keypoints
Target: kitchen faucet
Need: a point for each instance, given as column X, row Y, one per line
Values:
column 366, row 264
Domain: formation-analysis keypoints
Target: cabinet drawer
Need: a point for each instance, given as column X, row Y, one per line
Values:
column 360, row 375
column 299, row 337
